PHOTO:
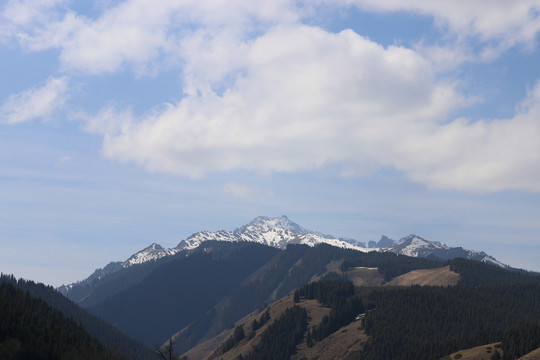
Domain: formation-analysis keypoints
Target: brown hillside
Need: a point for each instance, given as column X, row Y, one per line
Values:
column 434, row 277
column 534, row 355
column 315, row 313
column 337, row 346
column 364, row 276
column 361, row 276
column 477, row 353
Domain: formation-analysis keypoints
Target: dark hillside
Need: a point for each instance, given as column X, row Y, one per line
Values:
column 106, row 334
column 430, row 322
column 181, row 290
column 475, row 273
column 31, row 329
column 289, row 269
column 404, row 322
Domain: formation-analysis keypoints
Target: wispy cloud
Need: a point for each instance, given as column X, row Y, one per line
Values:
column 35, row 103
column 146, row 34
column 506, row 22
column 475, row 31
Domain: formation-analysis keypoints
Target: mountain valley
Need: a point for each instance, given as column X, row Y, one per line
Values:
column 236, row 294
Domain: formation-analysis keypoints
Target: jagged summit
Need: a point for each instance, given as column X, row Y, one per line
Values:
column 152, row 252
column 272, row 231
column 384, row 242
column 265, row 223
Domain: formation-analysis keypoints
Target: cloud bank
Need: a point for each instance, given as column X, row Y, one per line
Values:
column 263, row 91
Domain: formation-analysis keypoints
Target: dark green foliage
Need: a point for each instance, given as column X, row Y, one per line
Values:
column 334, row 276
column 279, row 340
column 496, row 356
column 340, row 297
column 234, row 339
column 519, row 342
column 327, row 292
column 255, row 325
column 31, row 329
column 430, row 322
column 390, row 265
column 106, row 334
column 309, row 339
column 343, row 312
column 473, row 273
column 238, row 334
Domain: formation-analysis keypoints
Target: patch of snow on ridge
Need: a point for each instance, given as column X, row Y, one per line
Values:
column 311, row 239
column 196, row 239
column 488, row 259
column 152, row 252
column 414, row 246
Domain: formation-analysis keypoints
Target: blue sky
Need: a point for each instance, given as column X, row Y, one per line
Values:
column 124, row 123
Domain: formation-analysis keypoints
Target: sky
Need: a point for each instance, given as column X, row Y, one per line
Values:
column 124, row 123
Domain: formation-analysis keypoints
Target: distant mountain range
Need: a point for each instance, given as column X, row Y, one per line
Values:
column 197, row 292
column 271, row 288
column 279, row 232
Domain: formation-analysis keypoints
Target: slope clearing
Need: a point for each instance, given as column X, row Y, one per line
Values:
column 429, row 277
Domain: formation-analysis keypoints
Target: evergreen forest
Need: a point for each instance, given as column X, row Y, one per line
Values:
column 32, row 330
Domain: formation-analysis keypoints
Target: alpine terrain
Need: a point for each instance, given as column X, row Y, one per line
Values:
column 195, row 296
column 279, row 232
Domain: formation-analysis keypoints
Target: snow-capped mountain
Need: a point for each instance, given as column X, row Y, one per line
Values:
column 150, row 253
column 265, row 223
column 279, row 232
column 416, row 246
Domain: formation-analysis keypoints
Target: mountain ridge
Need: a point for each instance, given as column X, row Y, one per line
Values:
column 280, row 231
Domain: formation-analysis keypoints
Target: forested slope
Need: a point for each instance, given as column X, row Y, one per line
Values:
column 421, row 322
column 105, row 333
column 31, row 329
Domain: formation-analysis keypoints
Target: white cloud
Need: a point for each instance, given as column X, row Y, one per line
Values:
column 495, row 25
column 304, row 99
column 35, row 103
column 263, row 92
column 17, row 17
column 513, row 22
column 28, row 12
column 490, row 155
column 144, row 34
